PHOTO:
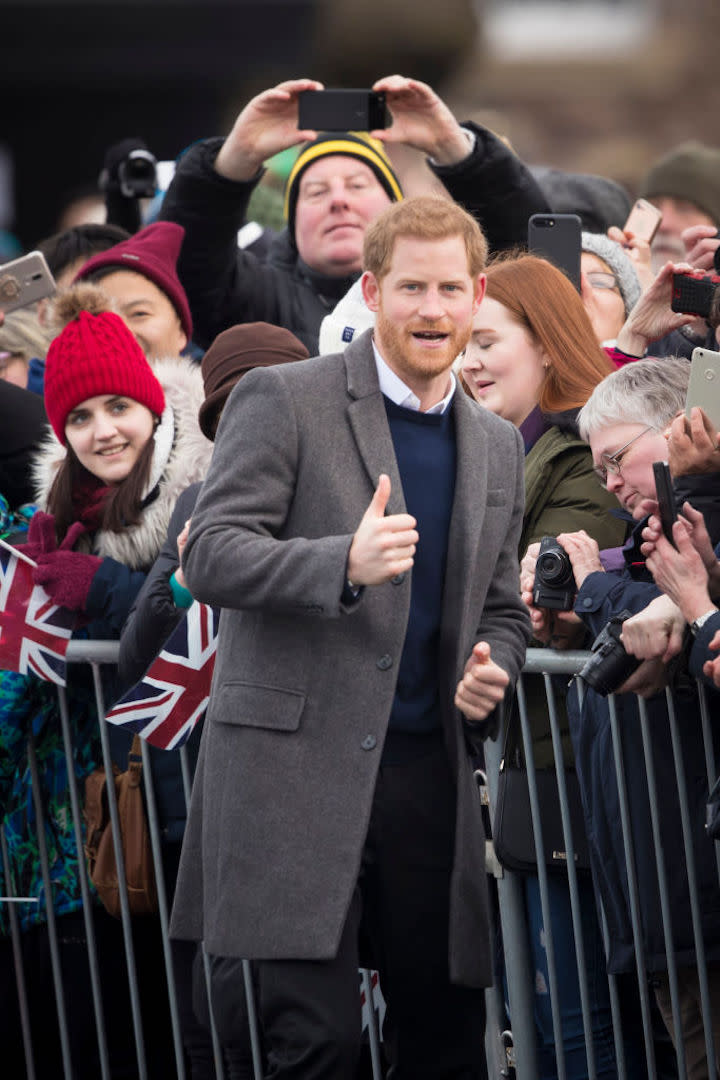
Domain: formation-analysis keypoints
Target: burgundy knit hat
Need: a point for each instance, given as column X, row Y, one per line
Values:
column 235, row 352
column 152, row 252
column 96, row 354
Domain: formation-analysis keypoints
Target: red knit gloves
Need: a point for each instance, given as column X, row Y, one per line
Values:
column 65, row 575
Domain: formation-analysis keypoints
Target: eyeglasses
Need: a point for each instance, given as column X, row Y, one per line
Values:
column 600, row 280
column 610, row 463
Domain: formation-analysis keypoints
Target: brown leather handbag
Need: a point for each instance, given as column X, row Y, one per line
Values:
column 137, row 851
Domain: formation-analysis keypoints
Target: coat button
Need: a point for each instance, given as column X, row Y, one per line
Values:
column 587, row 602
column 369, row 742
column 397, row 580
column 384, row 662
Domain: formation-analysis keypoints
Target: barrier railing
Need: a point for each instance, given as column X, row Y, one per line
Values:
column 512, row 1004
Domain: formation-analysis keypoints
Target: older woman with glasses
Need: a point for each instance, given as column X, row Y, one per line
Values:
column 624, row 421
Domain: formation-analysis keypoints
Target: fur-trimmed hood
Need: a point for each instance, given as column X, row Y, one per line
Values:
column 181, row 457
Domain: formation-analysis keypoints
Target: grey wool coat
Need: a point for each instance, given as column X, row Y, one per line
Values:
column 303, row 684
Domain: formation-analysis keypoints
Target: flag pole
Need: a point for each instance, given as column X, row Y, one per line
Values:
column 19, row 554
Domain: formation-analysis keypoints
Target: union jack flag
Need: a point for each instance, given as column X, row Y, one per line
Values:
column 165, row 706
column 34, row 632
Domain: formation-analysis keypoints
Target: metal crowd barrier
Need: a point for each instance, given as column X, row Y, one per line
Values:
column 511, row 1037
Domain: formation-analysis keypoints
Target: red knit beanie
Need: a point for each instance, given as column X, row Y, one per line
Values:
column 96, row 354
column 152, row 252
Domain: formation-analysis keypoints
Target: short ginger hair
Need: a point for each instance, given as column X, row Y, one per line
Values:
column 426, row 217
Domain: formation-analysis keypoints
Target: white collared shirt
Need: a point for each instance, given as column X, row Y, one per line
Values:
column 394, row 388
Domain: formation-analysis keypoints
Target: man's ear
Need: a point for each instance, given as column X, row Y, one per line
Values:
column 480, row 286
column 370, row 290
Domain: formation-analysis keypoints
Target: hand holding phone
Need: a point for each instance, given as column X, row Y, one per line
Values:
column 24, row 281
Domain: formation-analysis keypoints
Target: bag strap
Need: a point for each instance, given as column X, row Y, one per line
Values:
column 135, row 762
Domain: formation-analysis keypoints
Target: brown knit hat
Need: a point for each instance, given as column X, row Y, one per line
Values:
column 235, row 352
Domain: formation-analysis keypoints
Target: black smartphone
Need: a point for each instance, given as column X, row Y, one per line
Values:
column 556, row 237
column 665, row 497
column 24, row 281
column 342, row 110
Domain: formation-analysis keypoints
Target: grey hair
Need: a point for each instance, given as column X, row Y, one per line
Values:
column 649, row 392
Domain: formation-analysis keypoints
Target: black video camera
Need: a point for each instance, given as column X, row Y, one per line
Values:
column 129, row 170
column 554, row 579
column 696, row 293
column 610, row 664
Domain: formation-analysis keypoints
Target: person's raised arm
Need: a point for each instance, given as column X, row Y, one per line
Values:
column 267, row 125
column 479, row 169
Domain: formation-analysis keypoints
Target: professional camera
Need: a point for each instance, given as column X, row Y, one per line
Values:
column 130, row 170
column 554, row 580
column 610, row 664
column 138, row 175
column 696, row 293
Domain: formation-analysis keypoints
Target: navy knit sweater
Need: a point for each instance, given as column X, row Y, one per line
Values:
column 426, row 456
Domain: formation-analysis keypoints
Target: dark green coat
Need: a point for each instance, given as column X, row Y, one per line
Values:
column 562, row 494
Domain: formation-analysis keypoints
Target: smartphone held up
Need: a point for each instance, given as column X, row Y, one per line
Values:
column 342, row 110
column 24, row 281
column 556, row 237
column 643, row 221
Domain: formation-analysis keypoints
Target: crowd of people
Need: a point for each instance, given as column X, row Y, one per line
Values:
column 350, row 438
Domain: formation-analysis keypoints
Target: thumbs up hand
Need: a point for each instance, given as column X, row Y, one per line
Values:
column 482, row 686
column 383, row 546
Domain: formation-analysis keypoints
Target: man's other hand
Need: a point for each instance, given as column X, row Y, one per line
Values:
column 482, row 686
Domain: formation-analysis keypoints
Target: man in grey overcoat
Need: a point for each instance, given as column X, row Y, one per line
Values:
column 359, row 529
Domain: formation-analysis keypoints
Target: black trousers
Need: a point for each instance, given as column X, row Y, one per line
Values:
column 310, row 1011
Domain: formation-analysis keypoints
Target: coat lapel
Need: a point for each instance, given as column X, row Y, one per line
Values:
column 368, row 420
column 469, row 507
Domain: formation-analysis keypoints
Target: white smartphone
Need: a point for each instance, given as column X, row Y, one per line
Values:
column 704, row 385
column 643, row 220
column 24, row 281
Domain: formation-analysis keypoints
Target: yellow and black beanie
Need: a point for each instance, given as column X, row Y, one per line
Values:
column 351, row 143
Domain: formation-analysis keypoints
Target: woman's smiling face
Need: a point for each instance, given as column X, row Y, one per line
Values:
column 503, row 366
column 108, row 434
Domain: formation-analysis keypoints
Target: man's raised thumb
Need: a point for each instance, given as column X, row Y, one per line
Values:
column 381, row 496
column 481, row 652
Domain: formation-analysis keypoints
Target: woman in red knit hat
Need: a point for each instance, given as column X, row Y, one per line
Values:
column 126, row 441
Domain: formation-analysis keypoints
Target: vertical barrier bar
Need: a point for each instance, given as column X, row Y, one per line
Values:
column 217, row 1048
column 515, row 946
column 17, row 959
column 709, row 751
column 373, row 1034
column 632, row 887
column 572, row 878
column 692, row 884
column 122, row 881
column 543, row 880
column 49, row 911
column 252, row 1020
column 663, row 886
column 154, row 828
column 87, row 903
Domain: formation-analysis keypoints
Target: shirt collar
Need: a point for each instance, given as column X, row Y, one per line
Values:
column 394, row 388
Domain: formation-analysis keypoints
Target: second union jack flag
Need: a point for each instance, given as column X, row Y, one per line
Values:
column 165, row 706
column 34, row 632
